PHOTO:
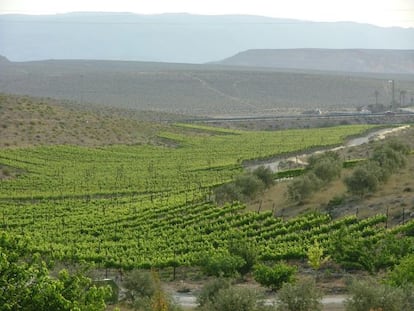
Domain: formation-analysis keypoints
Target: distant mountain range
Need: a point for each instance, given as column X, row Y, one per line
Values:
column 179, row 38
column 350, row 60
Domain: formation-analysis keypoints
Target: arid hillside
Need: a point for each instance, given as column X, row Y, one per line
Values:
column 201, row 90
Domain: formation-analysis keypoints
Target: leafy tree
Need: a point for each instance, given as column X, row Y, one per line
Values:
column 326, row 166
column 386, row 160
column 228, row 193
column 245, row 186
column 249, row 185
column 265, row 174
column 365, row 178
column 302, row 296
column 274, row 277
column 302, row 187
column 245, row 250
column 27, row 285
column 389, row 159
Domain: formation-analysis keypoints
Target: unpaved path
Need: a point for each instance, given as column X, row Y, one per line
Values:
column 188, row 300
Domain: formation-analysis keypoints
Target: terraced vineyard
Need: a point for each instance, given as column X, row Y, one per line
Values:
column 142, row 206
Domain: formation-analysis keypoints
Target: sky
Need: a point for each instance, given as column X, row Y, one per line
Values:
column 383, row 13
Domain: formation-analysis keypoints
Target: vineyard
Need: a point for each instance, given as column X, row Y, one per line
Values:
column 148, row 205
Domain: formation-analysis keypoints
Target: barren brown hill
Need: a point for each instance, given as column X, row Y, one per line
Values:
column 344, row 60
column 202, row 90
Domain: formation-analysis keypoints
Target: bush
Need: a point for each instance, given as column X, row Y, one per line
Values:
column 228, row 193
column 326, row 166
column 232, row 298
column 365, row 178
column 245, row 187
column 303, row 296
column 219, row 264
column 144, row 292
column 302, row 187
column 370, row 295
column 275, row 277
column 139, row 284
column 245, row 250
column 210, row 290
column 249, row 185
column 265, row 174
column 403, row 273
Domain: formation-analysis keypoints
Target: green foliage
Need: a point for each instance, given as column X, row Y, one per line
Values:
column 143, row 206
column 302, row 187
column 245, row 250
column 370, row 295
column 385, row 161
column 221, row 264
column 352, row 251
column 365, row 178
column 391, row 156
column 275, row 277
column 302, row 296
column 138, row 285
column 245, row 186
column 228, row 192
column 315, row 255
column 232, row 298
column 403, row 273
column 290, row 173
column 210, row 290
column 322, row 169
column 265, row 174
column 249, row 185
column 27, row 285
column 326, row 166
column 144, row 292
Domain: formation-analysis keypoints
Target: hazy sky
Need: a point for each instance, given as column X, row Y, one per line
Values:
column 378, row 12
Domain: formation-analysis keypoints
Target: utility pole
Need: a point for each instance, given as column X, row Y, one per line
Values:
column 376, row 97
column 393, row 92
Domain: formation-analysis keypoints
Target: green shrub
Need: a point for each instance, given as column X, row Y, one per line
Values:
column 139, row 284
column 265, row 174
column 210, row 290
column 144, row 292
column 303, row 296
column 302, row 187
column 228, row 193
column 275, row 277
column 221, row 264
column 365, row 178
column 326, row 166
column 245, row 250
column 370, row 295
column 232, row 298
column 403, row 273
column 249, row 185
